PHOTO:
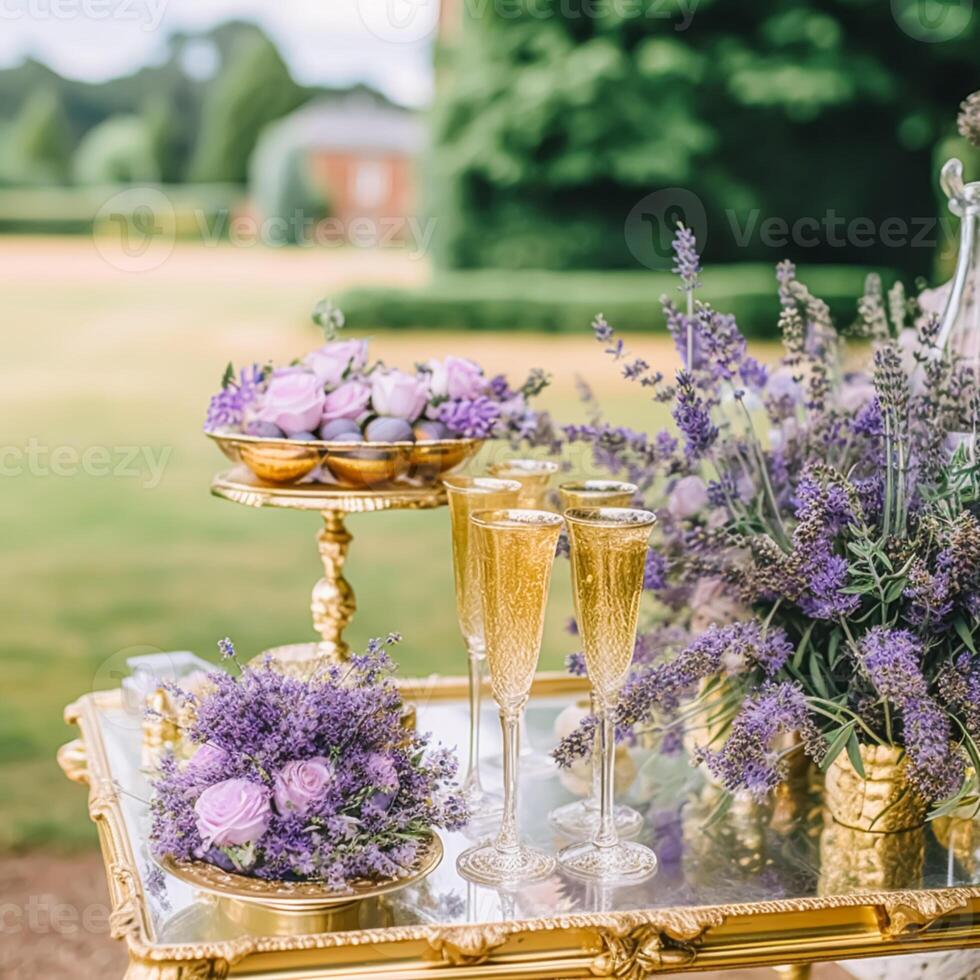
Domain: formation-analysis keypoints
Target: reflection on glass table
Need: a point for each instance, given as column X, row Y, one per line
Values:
column 748, row 853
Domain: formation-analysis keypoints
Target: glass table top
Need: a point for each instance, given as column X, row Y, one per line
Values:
column 708, row 855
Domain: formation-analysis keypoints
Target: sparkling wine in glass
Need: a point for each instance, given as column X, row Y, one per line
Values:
column 608, row 549
column 581, row 818
column 534, row 476
column 465, row 495
column 516, row 550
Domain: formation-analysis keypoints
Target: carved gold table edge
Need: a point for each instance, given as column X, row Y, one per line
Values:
column 628, row 945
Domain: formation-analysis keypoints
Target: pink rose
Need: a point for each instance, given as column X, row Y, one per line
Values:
column 294, row 402
column 398, row 395
column 332, row 361
column 688, row 498
column 456, row 377
column 349, row 401
column 301, row 784
column 235, row 811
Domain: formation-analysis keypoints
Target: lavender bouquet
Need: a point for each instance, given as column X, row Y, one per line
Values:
column 312, row 780
column 335, row 393
column 819, row 543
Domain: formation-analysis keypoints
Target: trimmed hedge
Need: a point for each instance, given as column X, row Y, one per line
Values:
column 566, row 302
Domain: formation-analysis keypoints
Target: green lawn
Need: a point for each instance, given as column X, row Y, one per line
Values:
column 98, row 567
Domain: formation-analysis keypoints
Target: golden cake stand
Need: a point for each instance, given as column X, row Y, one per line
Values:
column 333, row 604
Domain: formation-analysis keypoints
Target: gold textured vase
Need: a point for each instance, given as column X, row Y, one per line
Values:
column 881, row 801
column 873, row 837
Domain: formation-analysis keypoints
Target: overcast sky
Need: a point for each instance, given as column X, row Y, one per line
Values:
column 386, row 43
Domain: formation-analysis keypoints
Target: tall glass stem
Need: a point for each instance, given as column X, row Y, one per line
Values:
column 596, row 795
column 606, row 835
column 507, row 839
column 472, row 782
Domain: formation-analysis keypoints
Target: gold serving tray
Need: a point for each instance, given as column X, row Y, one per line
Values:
column 353, row 466
column 293, row 907
column 757, row 887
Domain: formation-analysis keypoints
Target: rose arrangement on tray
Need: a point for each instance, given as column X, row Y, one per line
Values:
column 304, row 780
column 822, row 578
column 337, row 394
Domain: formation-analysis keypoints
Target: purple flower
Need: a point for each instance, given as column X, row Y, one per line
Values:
column 655, row 571
column 294, row 402
column 227, row 407
column 693, row 419
column 893, row 659
column 474, row 418
column 661, row 686
column 398, row 395
column 753, row 373
column 749, row 759
column 826, row 578
column 302, row 783
column 687, row 262
column 208, row 757
column 456, row 378
column 353, row 792
column 233, row 812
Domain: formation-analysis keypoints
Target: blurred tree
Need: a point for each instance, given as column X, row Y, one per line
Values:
column 253, row 89
column 163, row 133
column 280, row 183
column 38, row 145
column 554, row 122
column 119, row 150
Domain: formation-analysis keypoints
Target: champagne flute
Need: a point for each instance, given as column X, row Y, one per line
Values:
column 581, row 817
column 466, row 494
column 608, row 547
column 533, row 475
column 516, row 550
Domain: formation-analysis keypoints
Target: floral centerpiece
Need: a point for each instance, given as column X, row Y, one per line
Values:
column 819, row 544
column 304, row 780
column 336, row 393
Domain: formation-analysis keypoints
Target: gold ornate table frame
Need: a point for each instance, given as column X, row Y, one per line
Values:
column 629, row 945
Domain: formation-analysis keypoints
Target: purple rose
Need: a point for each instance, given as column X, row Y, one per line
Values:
column 235, row 811
column 382, row 772
column 688, row 498
column 294, row 402
column 332, row 361
column 302, row 783
column 349, row 401
column 399, row 395
column 208, row 756
column 456, row 377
